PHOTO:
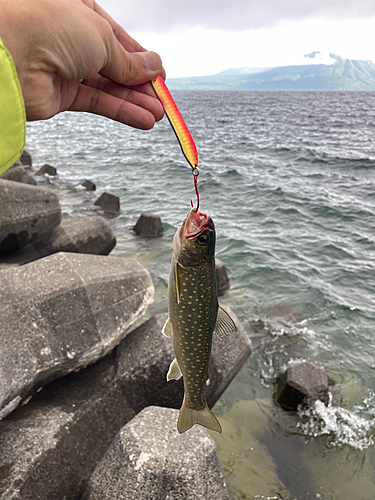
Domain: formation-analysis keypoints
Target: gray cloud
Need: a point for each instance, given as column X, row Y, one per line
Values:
column 165, row 15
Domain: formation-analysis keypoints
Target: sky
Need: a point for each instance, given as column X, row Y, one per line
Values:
column 205, row 37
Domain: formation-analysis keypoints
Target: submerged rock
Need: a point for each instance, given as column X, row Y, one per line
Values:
column 19, row 174
column 25, row 158
column 26, row 212
column 61, row 313
column 149, row 459
column 53, row 444
column 302, row 384
column 89, row 185
column 109, row 203
column 149, row 226
column 91, row 235
column 221, row 277
column 47, row 169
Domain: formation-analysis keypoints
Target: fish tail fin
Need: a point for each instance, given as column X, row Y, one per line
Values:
column 188, row 417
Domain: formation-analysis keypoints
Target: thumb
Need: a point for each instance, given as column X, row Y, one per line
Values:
column 132, row 68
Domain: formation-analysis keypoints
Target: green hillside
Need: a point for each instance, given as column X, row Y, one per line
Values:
column 344, row 74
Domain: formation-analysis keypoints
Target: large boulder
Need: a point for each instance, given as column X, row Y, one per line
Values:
column 26, row 212
column 61, row 313
column 89, row 235
column 19, row 174
column 149, row 459
column 52, row 445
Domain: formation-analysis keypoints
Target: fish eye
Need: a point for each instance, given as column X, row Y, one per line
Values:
column 202, row 239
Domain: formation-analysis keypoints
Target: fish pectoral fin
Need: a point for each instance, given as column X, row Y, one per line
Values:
column 224, row 324
column 177, row 282
column 174, row 372
column 167, row 330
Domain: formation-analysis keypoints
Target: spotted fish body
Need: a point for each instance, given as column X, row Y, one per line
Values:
column 194, row 314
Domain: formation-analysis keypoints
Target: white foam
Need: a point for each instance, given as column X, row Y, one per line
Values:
column 342, row 426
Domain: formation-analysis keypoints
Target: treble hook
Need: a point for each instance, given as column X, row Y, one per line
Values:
column 196, row 173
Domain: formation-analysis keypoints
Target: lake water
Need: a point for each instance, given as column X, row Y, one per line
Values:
column 289, row 179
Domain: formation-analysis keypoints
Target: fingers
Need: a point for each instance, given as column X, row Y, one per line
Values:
column 102, row 97
column 123, row 38
column 131, row 68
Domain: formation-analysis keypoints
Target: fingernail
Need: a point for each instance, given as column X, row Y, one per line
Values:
column 153, row 61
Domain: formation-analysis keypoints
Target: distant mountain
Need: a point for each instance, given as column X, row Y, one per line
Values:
column 343, row 74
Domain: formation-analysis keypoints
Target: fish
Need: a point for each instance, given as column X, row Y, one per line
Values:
column 194, row 315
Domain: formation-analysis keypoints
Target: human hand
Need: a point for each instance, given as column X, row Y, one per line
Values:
column 57, row 43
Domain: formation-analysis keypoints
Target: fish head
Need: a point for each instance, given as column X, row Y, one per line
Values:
column 194, row 241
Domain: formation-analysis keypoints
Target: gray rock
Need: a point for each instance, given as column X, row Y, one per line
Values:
column 91, row 235
column 18, row 163
column 47, row 169
column 26, row 212
column 109, row 203
column 52, row 444
column 302, row 384
column 25, row 158
column 149, row 226
column 221, row 277
column 90, row 186
column 62, row 313
column 150, row 460
column 19, row 174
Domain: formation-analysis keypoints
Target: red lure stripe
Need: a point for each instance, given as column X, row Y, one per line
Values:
column 178, row 124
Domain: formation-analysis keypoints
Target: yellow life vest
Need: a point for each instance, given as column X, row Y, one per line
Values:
column 12, row 112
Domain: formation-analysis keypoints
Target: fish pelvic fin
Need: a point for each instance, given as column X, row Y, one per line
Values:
column 167, row 330
column 224, row 324
column 189, row 417
column 174, row 372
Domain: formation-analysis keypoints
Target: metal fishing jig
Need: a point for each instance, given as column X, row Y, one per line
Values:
column 179, row 127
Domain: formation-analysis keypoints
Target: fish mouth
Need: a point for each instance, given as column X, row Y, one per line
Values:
column 196, row 222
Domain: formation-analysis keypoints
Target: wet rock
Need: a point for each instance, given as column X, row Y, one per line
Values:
column 61, row 313
column 89, row 185
column 109, row 203
column 47, row 169
column 25, row 158
column 53, row 444
column 149, row 459
column 283, row 311
column 149, row 226
column 19, row 174
column 302, row 384
column 221, row 276
column 26, row 212
column 91, row 235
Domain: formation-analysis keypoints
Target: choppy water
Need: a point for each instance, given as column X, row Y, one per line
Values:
column 289, row 179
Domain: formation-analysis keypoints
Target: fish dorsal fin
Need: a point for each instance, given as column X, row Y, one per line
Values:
column 174, row 372
column 167, row 330
column 177, row 282
column 224, row 324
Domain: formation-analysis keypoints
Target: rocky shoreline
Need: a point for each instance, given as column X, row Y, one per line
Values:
column 89, row 413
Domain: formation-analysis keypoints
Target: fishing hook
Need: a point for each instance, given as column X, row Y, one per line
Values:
column 196, row 173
